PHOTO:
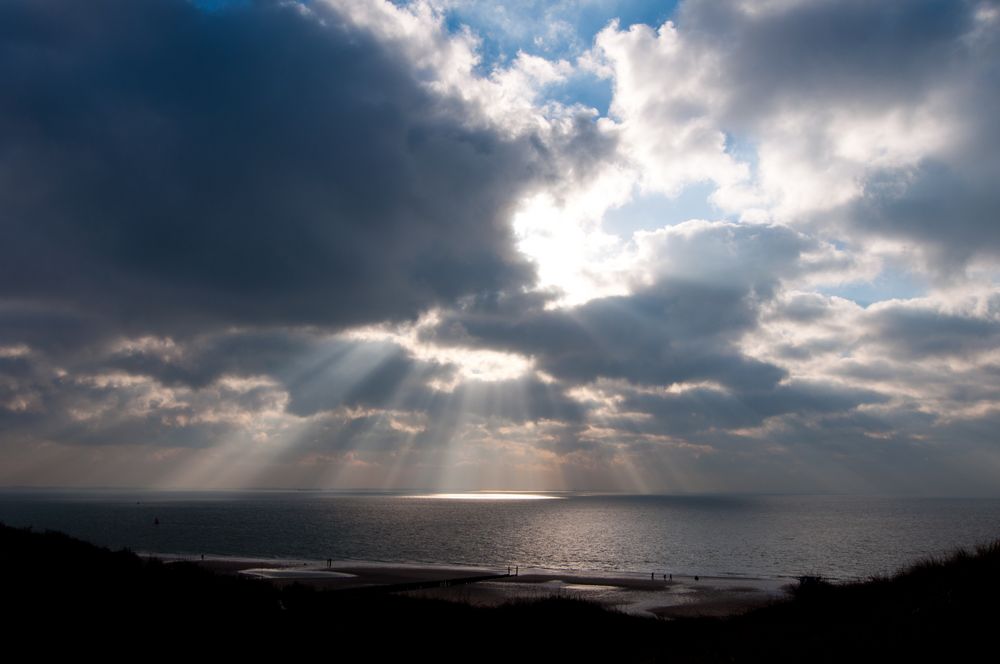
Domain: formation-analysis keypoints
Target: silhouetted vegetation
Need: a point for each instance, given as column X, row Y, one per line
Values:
column 55, row 585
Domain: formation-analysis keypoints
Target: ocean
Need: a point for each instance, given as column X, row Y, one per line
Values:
column 758, row 536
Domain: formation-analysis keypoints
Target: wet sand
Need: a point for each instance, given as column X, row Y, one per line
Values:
column 631, row 593
column 680, row 597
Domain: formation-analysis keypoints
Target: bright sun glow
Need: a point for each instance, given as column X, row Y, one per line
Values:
column 571, row 252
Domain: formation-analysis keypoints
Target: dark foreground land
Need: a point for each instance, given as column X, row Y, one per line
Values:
column 61, row 595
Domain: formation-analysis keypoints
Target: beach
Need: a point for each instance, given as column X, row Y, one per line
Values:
column 632, row 593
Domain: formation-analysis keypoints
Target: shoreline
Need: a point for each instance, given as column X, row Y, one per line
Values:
column 628, row 592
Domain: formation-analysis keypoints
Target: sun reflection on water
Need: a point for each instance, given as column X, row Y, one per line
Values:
column 488, row 495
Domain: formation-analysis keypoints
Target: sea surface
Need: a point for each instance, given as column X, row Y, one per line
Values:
column 839, row 537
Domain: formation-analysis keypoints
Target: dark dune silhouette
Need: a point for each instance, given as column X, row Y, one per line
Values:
column 56, row 587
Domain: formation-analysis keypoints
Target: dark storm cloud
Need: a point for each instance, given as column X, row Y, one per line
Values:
column 951, row 209
column 165, row 167
column 695, row 411
column 60, row 331
column 831, row 51
column 916, row 333
column 182, row 191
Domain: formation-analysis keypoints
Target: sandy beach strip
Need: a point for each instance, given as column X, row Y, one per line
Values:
column 679, row 597
column 634, row 593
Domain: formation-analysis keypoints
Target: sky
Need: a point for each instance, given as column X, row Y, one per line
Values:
column 648, row 247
